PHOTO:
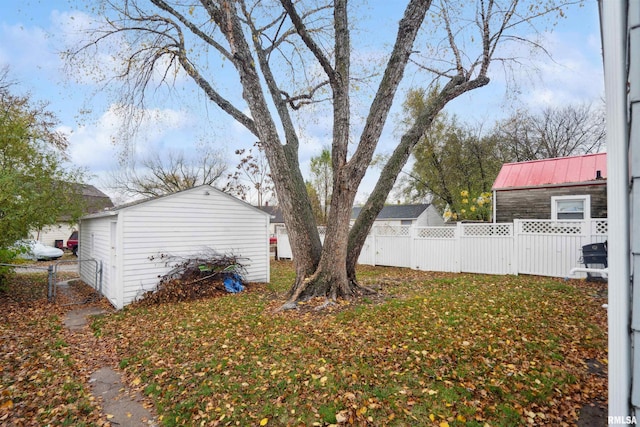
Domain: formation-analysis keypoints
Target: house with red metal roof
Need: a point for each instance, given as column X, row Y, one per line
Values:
column 559, row 188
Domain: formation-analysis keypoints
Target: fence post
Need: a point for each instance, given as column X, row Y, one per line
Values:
column 50, row 283
column 459, row 231
column 515, row 249
column 412, row 247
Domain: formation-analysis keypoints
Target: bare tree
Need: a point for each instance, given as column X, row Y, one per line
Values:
column 290, row 54
column 254, row 169
column 159, row 175
column 553, row 132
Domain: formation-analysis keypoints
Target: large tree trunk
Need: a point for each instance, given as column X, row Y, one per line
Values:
column 396, row 162
column 331, row 278
column 283, row 158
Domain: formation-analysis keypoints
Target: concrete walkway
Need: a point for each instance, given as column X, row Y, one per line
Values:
column 76, row 320
column 121, row 406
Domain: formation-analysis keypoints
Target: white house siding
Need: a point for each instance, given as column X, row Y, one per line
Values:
column 48, row 235
column 95, row 244
column 429, row 218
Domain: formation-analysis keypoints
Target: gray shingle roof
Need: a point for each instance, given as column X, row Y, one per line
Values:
column 388, row 212
column 275, row 212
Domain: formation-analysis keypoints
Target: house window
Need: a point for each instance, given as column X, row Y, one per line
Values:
column 406, row 222
column 570, row 207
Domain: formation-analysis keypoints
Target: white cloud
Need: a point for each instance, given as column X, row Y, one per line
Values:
column 99, row 147
column 25, row 49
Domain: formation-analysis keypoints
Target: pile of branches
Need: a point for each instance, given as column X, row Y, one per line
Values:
column 194, row 277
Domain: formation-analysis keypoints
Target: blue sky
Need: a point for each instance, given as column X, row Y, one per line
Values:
column 33, row 31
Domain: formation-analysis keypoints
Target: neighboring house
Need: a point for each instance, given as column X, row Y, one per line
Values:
column 129, row 239
column 558, row 188
column 277, row 219
column 94, row 201
column 422, row 215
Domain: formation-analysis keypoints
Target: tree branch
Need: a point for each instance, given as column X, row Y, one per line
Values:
column 308, row 41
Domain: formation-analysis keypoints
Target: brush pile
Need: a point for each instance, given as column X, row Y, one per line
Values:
column 199, row 276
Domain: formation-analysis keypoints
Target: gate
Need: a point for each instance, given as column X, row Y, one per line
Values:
column 75, row 291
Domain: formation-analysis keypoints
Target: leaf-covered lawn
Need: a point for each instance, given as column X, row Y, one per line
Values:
column 42, row 379
column 431, row 349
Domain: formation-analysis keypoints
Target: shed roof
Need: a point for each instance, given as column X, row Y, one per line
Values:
column 556, row 171
column 205, row 187
column 396, row 211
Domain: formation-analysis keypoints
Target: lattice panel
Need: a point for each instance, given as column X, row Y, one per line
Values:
column 601, row 226
column 539, row 227
column 322, row 230
column 436, row 233
column 487, row 230
column 390, row 230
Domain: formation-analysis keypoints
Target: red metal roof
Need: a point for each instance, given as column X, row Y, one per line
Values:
column 562, row 170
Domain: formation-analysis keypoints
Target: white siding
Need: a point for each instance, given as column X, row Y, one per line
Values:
column 94, row 244
column 181, row 224
column 49, row 235
column 188, row 223
column 430, row 217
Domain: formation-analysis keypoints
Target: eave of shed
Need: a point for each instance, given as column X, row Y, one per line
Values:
column 548, row 172
column 205, row 188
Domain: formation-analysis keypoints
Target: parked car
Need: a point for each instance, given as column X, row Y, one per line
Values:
column 32, row 249
column 72, row 243
column 273, row 239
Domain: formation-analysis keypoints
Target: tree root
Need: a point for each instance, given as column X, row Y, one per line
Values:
column 289, row 305
column 361, row 289
column 326, row 304
column 306, row 289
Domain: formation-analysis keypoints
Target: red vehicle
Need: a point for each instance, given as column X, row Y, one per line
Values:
column 72, row 243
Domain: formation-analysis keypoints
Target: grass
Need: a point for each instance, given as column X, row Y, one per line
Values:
column 431, row 349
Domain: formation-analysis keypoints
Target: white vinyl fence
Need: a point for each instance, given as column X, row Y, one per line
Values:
column 539, row 247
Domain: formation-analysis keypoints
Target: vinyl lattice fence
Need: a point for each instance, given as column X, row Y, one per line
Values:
column 538, row 247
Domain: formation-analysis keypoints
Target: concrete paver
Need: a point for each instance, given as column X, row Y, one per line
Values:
column 76, row 320
column 121, row 406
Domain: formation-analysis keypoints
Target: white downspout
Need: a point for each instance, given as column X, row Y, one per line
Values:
column 614, row 40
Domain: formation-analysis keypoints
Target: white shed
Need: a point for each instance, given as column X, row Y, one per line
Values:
column 125, row 238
